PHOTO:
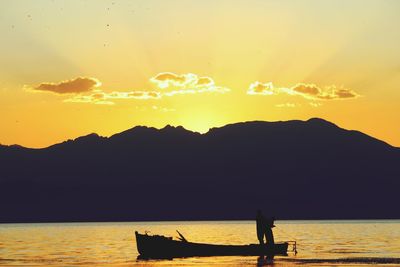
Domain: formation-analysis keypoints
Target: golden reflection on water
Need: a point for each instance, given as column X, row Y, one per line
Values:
column 113, row 244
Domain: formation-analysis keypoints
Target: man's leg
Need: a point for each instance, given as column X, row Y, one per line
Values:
column 269, row 237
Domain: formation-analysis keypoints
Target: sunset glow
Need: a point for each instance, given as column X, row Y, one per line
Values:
column 70, row 68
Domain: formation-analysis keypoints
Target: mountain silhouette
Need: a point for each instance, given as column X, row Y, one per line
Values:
column 292, row 170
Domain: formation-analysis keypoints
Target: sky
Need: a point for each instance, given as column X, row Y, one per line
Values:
column 70, row 68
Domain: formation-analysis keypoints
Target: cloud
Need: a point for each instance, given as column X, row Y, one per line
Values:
column 204, row 81
column 212, row 89
column 306, row 89
column 166, row 79
column 309, row 91
column 104, row 98
column 345, row 93
column 85, row 90
column 189, row 83
column 75, row 86
column 258, row 88
column 93, row 99
column 133, row 95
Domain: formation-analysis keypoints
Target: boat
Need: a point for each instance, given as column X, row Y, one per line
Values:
column 162, row 247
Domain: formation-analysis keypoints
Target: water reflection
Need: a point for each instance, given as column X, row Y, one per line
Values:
column 265, row 261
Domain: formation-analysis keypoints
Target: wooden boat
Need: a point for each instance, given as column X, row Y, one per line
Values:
column 162, row 247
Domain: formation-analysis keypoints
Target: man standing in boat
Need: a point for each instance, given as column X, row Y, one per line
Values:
column 264, row 228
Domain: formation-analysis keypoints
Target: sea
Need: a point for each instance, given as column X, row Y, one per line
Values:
column 319, row 243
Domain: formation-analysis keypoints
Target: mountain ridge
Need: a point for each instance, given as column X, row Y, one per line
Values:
column 170, row 127
column 294, row 170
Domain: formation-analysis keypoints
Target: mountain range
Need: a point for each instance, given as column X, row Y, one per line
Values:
column 291, row 170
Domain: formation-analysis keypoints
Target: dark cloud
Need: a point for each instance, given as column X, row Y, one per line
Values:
column 75, row 86
column 308, row 89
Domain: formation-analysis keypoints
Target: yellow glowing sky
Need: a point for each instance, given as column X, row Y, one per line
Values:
column 69, row 68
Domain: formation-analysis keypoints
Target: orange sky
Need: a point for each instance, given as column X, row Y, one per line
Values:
column 69, row 68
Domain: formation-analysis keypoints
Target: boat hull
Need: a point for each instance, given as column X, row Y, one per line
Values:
column 166, row 248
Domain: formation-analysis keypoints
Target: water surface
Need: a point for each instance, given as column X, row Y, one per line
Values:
column 330, row 243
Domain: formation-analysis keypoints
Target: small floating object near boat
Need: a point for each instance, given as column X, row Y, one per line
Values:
column 162, row 247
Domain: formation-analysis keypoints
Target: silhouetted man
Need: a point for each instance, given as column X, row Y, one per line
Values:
column 264, row 228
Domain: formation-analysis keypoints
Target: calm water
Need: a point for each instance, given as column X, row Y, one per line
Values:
column 329, row 243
